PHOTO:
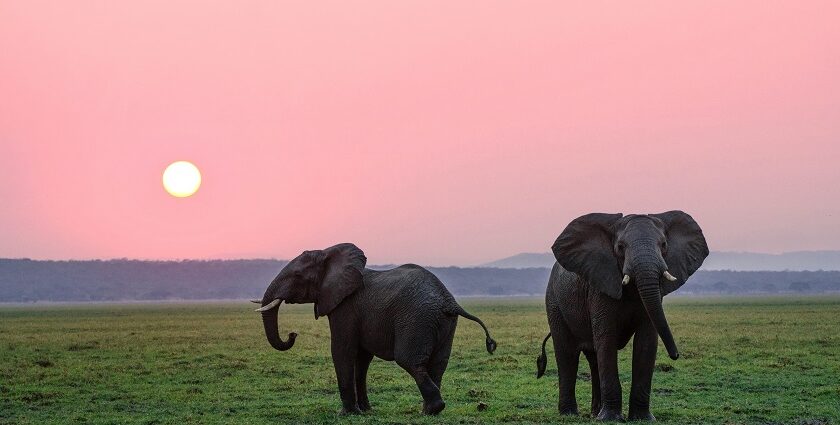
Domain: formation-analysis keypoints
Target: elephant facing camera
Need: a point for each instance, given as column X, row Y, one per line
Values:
column 606, row 287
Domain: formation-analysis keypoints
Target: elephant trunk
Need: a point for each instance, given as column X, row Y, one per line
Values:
column 274, row 295
column 647, row 282
column 272, row 332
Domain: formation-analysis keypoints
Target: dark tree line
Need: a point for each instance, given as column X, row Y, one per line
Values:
column 116, row 280
column 113, row 280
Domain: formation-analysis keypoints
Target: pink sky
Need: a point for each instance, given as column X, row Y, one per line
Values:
column 429, row 132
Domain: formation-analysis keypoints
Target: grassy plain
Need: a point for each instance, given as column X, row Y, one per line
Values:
column 744, row 360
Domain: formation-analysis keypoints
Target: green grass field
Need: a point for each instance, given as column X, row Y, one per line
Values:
column 745, row 360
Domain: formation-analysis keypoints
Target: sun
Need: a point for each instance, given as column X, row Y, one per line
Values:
column 181, row 179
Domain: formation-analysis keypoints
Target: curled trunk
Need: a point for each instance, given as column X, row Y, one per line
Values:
column 652, row 300
column 273, row 333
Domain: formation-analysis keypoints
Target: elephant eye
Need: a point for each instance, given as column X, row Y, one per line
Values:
column 620, row 246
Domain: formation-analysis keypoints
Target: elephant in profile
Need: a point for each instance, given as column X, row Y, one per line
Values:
column 606, row 287
column 404, row 314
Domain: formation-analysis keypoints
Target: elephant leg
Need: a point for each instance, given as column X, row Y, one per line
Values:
column 440, row 357
column 413, row 355
column 644, row 358
column 363, row 359
column 432, row 401
column 344, row 360
column 596, row 382
column 567, row 356
column 607, row 359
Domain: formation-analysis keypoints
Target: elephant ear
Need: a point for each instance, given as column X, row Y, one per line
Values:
column 686, row 248
column 586, row 247
column 342, row 276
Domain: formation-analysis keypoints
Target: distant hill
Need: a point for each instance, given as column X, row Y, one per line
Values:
column 523, row 261
column 793, row 261
column 735, row 261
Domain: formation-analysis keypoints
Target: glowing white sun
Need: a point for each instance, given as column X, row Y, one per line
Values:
column 181, row 179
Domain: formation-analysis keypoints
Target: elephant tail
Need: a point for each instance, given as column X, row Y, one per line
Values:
column 541, row 359
column 491, row 344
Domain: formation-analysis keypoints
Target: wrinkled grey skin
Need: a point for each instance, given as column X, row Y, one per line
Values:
column 403, row 314
column 591, row 311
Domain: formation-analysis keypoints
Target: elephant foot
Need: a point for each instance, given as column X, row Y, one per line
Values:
column 569, row 411
column 434, row 407
column 596, row 407
column 351, row 411
column 568, row 407
column 364, row 406
column 609, row 415
column 641, row 416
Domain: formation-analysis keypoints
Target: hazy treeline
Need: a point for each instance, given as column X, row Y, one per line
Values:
column 763, row 282
column 27, row 280
column 717, row 260
column 115, row 280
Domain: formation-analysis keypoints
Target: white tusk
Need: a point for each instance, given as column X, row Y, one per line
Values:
column 269, row 306
column 669, row 276
column 256, row 301
column 626, row 279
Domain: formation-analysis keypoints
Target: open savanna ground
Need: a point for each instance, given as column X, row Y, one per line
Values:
column 744, row 360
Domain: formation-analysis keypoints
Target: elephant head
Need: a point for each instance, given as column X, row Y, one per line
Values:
column 324, row 277
column 655, row 252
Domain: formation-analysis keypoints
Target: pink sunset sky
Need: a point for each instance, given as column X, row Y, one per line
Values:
column 429, row 132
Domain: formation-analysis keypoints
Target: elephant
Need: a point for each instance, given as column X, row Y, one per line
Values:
column 404, row 314
column 607, row 286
